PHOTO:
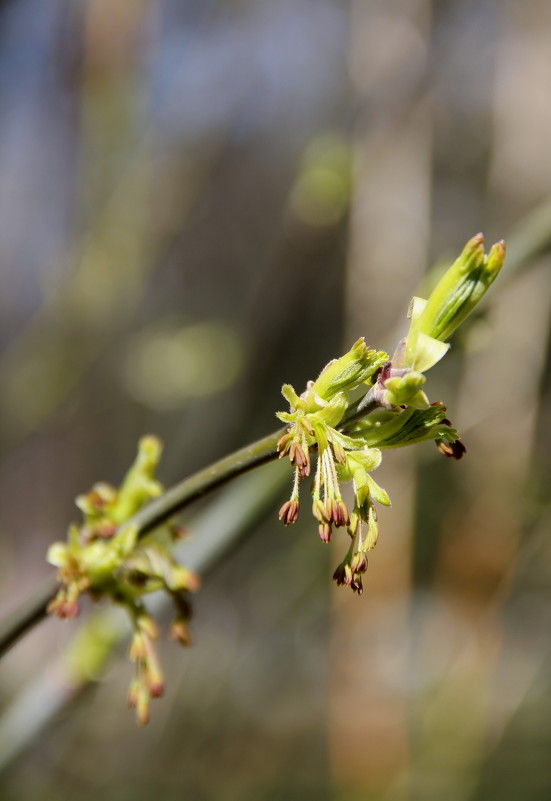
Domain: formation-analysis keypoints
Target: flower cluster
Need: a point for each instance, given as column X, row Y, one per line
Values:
column 105, row 557
column 346, row 435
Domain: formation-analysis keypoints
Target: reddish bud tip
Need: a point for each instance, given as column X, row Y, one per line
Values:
column 338, row 513
column 324, row 530
column 453, row 450
column 65, row 610
column 156, row 688
column 179, row 632
column 289, row 512
column 283, row 444
column 298, row 457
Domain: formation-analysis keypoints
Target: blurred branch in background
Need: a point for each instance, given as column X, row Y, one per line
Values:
column 530, row 239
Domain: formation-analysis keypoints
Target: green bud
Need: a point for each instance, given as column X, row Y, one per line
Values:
column 452, row 300
column 294, row 401
column 406, row 390
column 348, row 372
column 139, row 484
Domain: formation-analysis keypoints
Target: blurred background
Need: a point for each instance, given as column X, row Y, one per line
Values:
column 202, row 199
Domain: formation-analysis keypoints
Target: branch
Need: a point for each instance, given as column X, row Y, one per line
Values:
column 531, row 239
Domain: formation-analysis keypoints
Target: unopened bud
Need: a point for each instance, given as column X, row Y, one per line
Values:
column 297, row 456
column 348, row 372
column 155, row 686
column 143, row 715
column 457, row 293
column 319, row 511
column 289, row 512
column 359, row 562
column 179, row 632
column 284, row 444
column 137, row 651
column 133, row 694
column 324, row 530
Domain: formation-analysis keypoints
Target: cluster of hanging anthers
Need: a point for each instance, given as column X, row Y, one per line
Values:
column 348, row 434
column 316, row 423
column 312, row 426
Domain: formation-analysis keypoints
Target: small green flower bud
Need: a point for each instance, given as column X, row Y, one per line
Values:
column 406, row 390
column 294, row 401
column 139, row 484
column 452, row 300
column 348, row 372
